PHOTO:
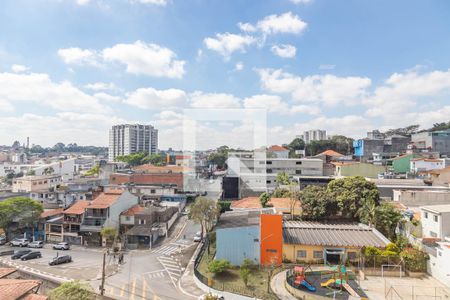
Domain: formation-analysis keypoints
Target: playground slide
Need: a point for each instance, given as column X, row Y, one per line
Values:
column 307, row 285
column 350, row 290
column 327, row 283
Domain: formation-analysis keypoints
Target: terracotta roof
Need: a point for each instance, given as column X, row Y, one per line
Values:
column 280, row 203
column 249, row 202
column 277, row 148
column 16, row 288
column 6, row 271
column 34, row 297
column 164, row 169
column 330, row 153
column 133, row 210
column 105, row 199
column 77, row 208
column 426, row 159
column 337, row 163
column 52, row 212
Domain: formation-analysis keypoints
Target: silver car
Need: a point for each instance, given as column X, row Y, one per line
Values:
column 19, row 242
column 36, row 244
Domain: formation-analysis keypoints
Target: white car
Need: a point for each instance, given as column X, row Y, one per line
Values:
column 19, row 242
column 198, row 237
column 36, row 244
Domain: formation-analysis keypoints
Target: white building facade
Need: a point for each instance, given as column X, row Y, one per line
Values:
column 313, row 135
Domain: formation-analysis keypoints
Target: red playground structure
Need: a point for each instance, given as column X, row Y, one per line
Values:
column 300, row 279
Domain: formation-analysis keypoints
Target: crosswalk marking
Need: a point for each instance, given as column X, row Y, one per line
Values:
column 169, row 249
column 133, row 289
column 122, row 290
column 172, row 268
column 144, row 288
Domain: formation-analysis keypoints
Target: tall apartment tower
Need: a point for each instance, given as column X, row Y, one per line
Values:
column 132, row 138
column 313, row 135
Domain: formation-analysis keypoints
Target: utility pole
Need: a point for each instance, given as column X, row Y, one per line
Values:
column 102, row 286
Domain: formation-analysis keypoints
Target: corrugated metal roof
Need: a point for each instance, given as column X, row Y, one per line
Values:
column 319, row 234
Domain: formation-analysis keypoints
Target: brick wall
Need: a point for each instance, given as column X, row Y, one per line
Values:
column 161, row 178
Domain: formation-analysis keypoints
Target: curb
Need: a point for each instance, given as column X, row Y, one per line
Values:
column 186, row 270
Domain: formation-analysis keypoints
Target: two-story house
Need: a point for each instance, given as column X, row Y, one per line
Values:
column 436, row 221
column 104, row 211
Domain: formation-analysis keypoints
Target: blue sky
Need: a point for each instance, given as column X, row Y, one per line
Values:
column 69, row 69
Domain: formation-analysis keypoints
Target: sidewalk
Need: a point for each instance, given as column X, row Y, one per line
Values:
column 277, row 285
column 186, row 284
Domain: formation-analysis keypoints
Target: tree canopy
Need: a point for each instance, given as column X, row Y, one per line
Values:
column 22, row 210
column 316, row 203
column 204, row 211
column 73, row 290
column 295, row 144
column 282, row 178
column 339, row 143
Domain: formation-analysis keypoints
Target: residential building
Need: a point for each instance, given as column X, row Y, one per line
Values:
column 127, row 217
column 402, row 164
column 313, row 135
column 327, row 243
column 28, row 184
column 279, row 205
column 358, row 169
column 386, row 187
column 421, row 164
column 439, row 263
column 440, row 177
column 415, row 198
column 437, row 141
column 365, row 148
column 278, row 151
column 435, row 221
column 127, row 139
column 72, row 219
column 104, row 211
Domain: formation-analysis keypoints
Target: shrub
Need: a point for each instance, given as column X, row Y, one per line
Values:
column 391, row 247
column 372, row 251
column 248, row 263
column 244, row 273
column 74, row 290
column 387, row 253
column 218, row 266
column 401, row 242
column 415, row 260
column 224, row 206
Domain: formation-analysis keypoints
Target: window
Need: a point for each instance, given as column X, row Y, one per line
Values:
column 301, row 253
column 141, row 221
column 269, row 170
column 298, row 162
column 435, row 218
column 298, row 171
column 318, row 254
column 269, row 162
column 152, row 191
column 271, row 250
column 127, row 218
column 261, row 162
column 268, row 181
column 426, row 215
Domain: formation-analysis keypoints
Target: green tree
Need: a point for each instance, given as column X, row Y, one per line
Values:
column 204, row 211
column 48, row 171
column 95, row 170
column 387, row 219
column 218, row 266
column 109, row 234
column 20, row 210
column 367, row 212
column 31, row 173
column 350, row 194
column 244, row 273
column 132, row 160
column 264, row 198
column 73, row 290
column 224, row 205
column 281, row 193
column 295, row 144
column 156, row 159
column 316, row 203
column 282, row 178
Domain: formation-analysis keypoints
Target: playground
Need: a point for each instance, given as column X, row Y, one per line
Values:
column 335, row 282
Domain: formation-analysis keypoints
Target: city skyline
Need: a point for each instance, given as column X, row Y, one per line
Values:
column 69, row 70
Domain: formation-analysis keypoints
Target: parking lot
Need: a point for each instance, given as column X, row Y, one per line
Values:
column 86, row 263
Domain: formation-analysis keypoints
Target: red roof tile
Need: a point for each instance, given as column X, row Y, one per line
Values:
column 133, row 210
column 105, row 199
column 34, row 297
column 277, row 148
column 6, row 271
column 16, row 288
column 51, row 212
column 77, row 208
column 249, row 202
column 330, row 153
column 164, row 169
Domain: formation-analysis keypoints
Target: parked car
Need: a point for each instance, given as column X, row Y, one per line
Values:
column 19, row 253
column 61, row 246
column 198, row 237
column 31, row 255
column 36, row 244
column 60, row 260
column 19, row 242
column 2, row 240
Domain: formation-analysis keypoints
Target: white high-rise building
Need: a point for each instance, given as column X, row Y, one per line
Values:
column 313, row 135
column 132, row 138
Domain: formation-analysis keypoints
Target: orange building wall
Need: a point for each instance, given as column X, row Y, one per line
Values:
column 271, row 239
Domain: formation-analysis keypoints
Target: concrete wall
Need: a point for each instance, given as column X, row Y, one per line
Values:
column 359, row 169
column 420, row 198
column 237, row 244
column 432, row 227
column 439, row 265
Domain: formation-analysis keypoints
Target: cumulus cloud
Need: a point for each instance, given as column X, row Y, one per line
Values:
column 284, row 23
column 139, row 58
column 150, row 98
column 327, row 89
column 19, row 68
column 40, row 89
column 107, row 97
column 284, row 50
column 227, row 43
column 275, row 104
column 214, row 100
column 83, row 2
column 239, row 66
column 101, row 86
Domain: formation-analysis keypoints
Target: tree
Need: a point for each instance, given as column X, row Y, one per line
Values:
column 156, row 159
column 316, row 203
column 109, row 234
column 204, row 211
column 21, row 210
column 295, row 144
column 218, row 266
column 405, row 131
column 244, row 273
column 48, row 171
column 440, row 126
column 95, row 170
column 73, row 290
column 387, row 219
column 351, row 192
column 281, row 193
column 264, row 198
column 132, row 160
column 282, row 178
column 31, row 173
column 367, row 212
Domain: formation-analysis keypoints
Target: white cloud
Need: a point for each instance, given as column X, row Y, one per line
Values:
column 78, row 56
column 284, row 50
column 274, row 104
column 19, row 68
column 107, row 97
column 5, row 106
column 247, row 27
column 101, row 86
column 227, row 43
column 147, row 59
column 301, row 1
column 214, row 100
column 154, row 2
column 327, row 89
column 83, row 2
column 150, row 98
column 284, row 23
column 40, row 89
column 239, row 66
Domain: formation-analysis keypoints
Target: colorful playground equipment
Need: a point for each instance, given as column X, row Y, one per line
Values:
column 300, row 278
column 339, row 280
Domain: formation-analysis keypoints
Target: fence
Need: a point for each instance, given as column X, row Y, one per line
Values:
column 412, row 292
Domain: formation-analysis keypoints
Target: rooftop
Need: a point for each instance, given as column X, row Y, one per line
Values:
column 6, row 271
column 255, row 203
column 77, row 208
column 277, row 148
column 330, row 153
column 322, row 234
column 16, row 288
column 232, row 219
column 52, row 212
column 133, row 210
column 444, row 208
column 163, row 169
column 105, row 199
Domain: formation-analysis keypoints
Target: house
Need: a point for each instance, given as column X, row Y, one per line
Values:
column 421, row 164
column 72, row 219
column 280, row 205
column 127, row 217
column 440, row 177
column 439, row 263
column 435, row 221
column 366, row 147
column 278, row 151
column 402, row 164
column 28, row 184
column 327, row 243
column 104, row 211
column 20, row 289
column 358, row 169
column 437, row 141
column 40, row 232
column 163, row 179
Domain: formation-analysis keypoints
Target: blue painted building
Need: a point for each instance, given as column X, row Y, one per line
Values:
column 237, row 237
